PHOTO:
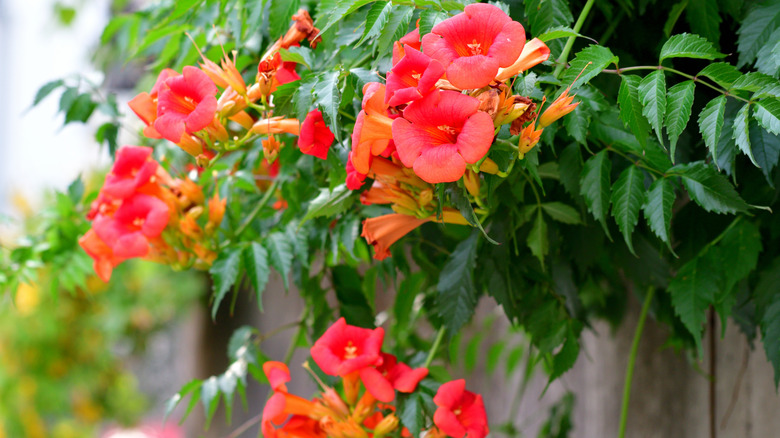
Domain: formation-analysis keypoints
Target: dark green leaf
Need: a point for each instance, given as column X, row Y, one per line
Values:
column 256, row 265
column 567, row 356
column 303, row 96
column 711, row 190
column 339, row 10
column 457, row 294
column 767, row 113
column 280, row 250
column 692, row 291
column 546, row 14
column 652, row 93
column 658, row 209
column 595, row 186
column 770, row 334
column 537, row 238
column 680, row 102
column 562, row 213
column 740, row 132
column 768, row 57
column 282, row 12
column 766, row 149
column 722, row 73
column 570, row 167
column 627, row 196
column 376, row 20
column 756, row 29
column 590, row 61
column 46, row 90
column 577, row 122
column 711, row 123
column 410, row 412
column 704, row 18
column 631, row 108
column 674, row 15
column 687, row 45
column 81, row 108
column 224, row 273
column 328, row 99
column 329, row 203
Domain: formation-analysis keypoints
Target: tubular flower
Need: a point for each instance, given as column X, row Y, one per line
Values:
column 278, row 374
column 460, row 413
column 440, row 134
column 144, row 105
column 104, row 259
column 413, row 77
column 559, row 108
column 354, row 178
column 383, row 380
column 276, row 125
column 343, row 348
column 226, row 74
column 373, row 130
column 534, row 52
column 139, row 218
column 315, row 137
column 474, row 44
column 411, row 39
column 383, row 231
column 133, row 168
column 187, row 105
column 529, row 137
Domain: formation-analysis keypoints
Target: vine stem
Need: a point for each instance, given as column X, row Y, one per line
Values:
column 632, row 360
column 696, row 79
column 250, row 217
column 570, row 42
column 434, row 347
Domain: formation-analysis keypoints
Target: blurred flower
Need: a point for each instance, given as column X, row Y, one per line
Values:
column 344, row 348
column 315, row 137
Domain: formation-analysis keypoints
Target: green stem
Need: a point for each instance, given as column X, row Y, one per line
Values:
column 251, row 216
column 636, row 162
column 696, row 79
column 434, row 347
column 632, row 360
column 570, row 42
column 301, row 327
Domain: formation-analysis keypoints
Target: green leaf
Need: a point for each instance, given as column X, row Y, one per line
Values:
column 430, row 18
column 768, row 57
column 766, row 149
column 303, row 96
column 658, row 209
column 577, row 122
column 329, row 203
column 687, row 45
column 328, row 99
column 494, row 355
column 397, row 26
column 546, row 14
column 770, row 335
column 704, row 18
column 81, row 108
column 627, row 196
column 410, row 412
column 297, row 54
column 674, row 15
column 711, row 190
column 210, row 397
column 755, row 31
column 472, row 352
column 740, row 247
column 280, row 250
column 711, row 123
column 558, row 32
column 376, row 19
column 678, row 112
column 652, row 93
column 46, row 89
column 256, row 265
column 334, row 14
column 224, row 273
column 537, row 238
column 595, row 188
column 174, row 401
column 631, row 108
column 567, row 356
column 562, row 213
column 692, row 291
column 457, row 295
column 767, row 113
column 590, row 61
column 722, row 73
column 740, row 132
column 753, row 82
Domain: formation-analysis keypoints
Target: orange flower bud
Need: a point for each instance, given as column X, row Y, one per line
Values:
column 387, row 425
column 216, row 209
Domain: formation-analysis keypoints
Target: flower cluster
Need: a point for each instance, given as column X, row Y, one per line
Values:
column 364, row 407
column 137, row 203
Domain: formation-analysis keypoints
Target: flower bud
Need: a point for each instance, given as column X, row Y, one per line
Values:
column 387, row 425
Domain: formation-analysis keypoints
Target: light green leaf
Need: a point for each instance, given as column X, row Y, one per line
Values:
column 338, row 10
column 657, row 209
column 687, row 45
column 711, row 190
column 558, row 32
column 376, row 19
column 692, row 291
column 328, row 95
column 678, row 112
column 767, row 113
column 768, row 57
column 46, row 89
column 595, row 188
column 430, row 18
column 740, row 132
column 537, row 238
column 300, row 55
column 711, row 123
column 210, row 397
column 631, row 108
column 755, row 31
column 562, row 213
column 590, row 61
column 224, row 273
column 280, row 250
column 397, row 26
column 652, row 93
column 303, row 97
column 722, row 73
column 457, row 295
column 256, row 265
column 627, row 196
column 753, row 82
column 329, row 203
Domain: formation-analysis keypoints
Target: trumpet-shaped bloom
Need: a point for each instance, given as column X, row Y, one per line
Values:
column 343, row 348
column 133, row 168
column 411, row 39
column 373, row 131
column 187, row 105
column 413, row 77
column 440, row 133
column 460, row 413
column 139, row 218
column 144, row 105
column 104, row 259
column 315, row 136
column 277, row 125
column 474, row 44
column 354, row 178
column 559, row 108
column 392, row 375
column 278, row 374
column 383, row 231
column 534, row 52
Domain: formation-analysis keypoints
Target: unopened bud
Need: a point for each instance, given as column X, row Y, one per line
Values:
column 387, row 425
column 333, row 400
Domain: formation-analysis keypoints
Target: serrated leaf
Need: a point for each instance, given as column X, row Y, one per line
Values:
column 339, row 10
column 576, row 124
column 722, row 73
column 364, row 76
column 631, row 108
column 297, row 54
column 46, row 89
column 224, row 273
column 570, row 167
column 174, row 401
column 652, row 93
column 546, row 14
column 457, row 296
column 740, row 132
column 590, row 61
column 674, row 15
column 755, row 31
column 562, row 213
column 256, row 265
column 326, row 90
column 678, row 111
column 627, row 196
column 410, row 412
column 430, row 18
column 767, row 113
column 538, row 242
column 280, row 251
column 711, row 190
column 595, row 187
column 687, row 45
column 704, row 19
column 711, row 123
column 304, row 97
column 376, row 19
column 397, row 26
column 329, row 203
column 753, row 82
column 768, row 57
column 566, row 357
column 657, row 209
column 693, row 289
column 558, row 32
column 766, row 149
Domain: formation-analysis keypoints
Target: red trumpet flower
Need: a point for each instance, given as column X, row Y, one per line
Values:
column 187, row 105
column 461, row 413
column 343, row 348
column 315, row 136
column 413, row 77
